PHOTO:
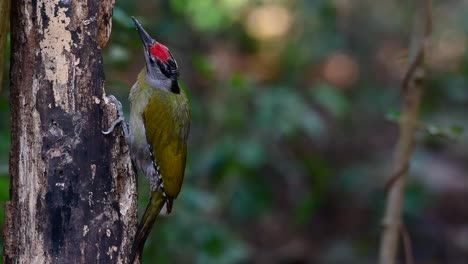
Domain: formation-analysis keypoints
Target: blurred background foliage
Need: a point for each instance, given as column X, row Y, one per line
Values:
column 294, row 107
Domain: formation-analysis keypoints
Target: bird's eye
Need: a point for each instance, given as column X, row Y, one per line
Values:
column 151, row 60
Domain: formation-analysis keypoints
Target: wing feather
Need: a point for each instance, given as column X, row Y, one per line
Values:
column 167, row 124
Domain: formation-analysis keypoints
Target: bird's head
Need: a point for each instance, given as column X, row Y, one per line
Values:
column 161, row 67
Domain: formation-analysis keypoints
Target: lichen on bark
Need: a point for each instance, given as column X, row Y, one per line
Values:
column 72, row 188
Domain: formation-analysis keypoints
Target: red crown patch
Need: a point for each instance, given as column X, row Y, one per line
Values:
column 160, row 52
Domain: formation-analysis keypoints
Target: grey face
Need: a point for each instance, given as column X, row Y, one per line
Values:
column 161, row 68
column 154, row 75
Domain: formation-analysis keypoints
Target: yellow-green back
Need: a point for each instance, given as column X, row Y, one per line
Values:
column 167, row 122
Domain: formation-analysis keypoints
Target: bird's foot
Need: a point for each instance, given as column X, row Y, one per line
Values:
column 120, row 118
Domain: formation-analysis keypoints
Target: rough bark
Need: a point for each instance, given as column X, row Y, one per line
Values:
column 73, row 192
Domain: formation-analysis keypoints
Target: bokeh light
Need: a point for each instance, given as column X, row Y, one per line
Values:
column 341, row 69
column 268, row 21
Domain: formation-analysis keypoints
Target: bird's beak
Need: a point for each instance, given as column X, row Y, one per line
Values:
column 145, row 37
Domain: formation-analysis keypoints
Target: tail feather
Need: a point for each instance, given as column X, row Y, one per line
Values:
column 144, row 228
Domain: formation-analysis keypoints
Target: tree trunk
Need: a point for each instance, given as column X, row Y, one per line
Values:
column 73, row 191
column 4, row 19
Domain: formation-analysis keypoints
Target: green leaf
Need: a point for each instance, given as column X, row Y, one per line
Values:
column 203, row 65
column 332, row 99
column 452, row 132
column 456, row 130
column 393, row 115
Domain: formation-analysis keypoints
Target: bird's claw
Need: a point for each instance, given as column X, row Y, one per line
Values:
column 120, row 119
column 115, row 123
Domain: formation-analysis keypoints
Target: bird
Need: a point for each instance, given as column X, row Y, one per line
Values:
column 158, row 130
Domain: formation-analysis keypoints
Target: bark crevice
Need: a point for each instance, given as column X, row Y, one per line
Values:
column 72, row 188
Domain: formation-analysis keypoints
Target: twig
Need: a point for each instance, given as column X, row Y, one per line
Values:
column 409, row 257
column 412, row 87
column 396, row 175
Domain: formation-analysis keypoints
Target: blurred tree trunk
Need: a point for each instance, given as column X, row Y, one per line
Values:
column 4, row 19
column 72, row 188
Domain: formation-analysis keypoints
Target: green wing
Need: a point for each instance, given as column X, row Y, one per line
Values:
column 167, row 124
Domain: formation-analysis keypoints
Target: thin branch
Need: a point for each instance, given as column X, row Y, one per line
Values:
column 409, row 257
column 412, row 88
column 396, row 175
